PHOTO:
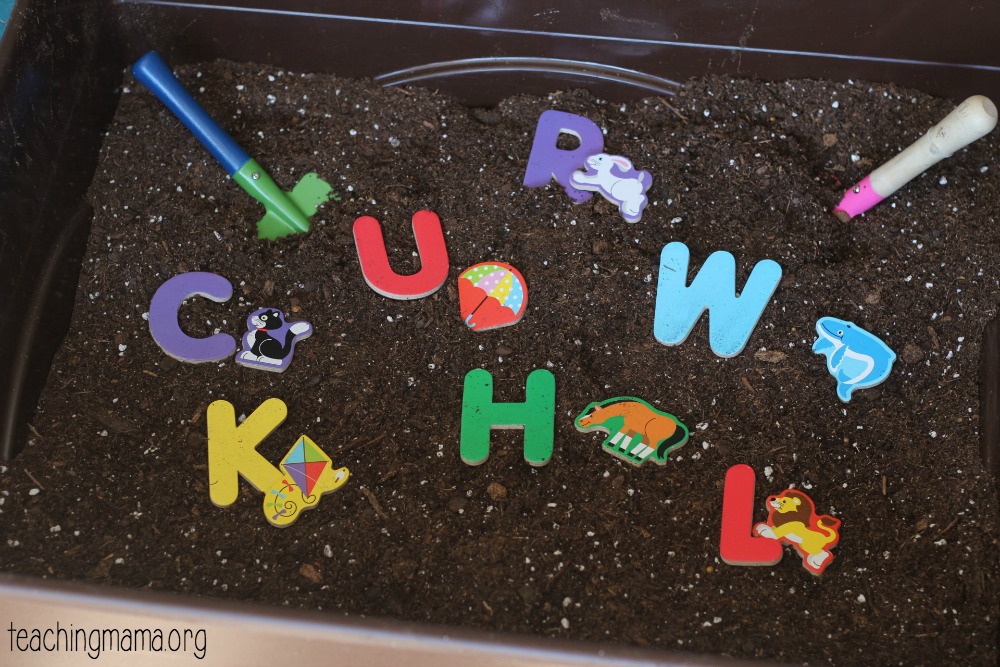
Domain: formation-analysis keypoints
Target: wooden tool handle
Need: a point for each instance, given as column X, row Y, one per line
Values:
column 972, row 119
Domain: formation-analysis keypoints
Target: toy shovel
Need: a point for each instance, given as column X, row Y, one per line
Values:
column 287, row 212
column 971, row 120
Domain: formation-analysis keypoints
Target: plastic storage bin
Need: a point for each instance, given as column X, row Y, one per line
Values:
column 61, row 63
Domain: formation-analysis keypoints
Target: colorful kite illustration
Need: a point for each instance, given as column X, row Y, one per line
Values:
column 492, row 295
column 309, row 473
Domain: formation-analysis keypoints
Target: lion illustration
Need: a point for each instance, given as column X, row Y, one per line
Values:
column 635, row 429
column 792, row 519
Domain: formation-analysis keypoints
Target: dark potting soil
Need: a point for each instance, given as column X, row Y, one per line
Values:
column 113, row 487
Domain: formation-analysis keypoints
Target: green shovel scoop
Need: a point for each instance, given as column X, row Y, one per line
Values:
column 287, row 212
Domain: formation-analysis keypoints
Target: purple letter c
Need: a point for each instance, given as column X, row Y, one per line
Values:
column 166, row 330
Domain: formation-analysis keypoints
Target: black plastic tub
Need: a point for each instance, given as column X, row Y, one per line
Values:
column 61, row 64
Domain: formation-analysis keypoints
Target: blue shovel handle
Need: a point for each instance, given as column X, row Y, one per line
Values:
column 157, row 76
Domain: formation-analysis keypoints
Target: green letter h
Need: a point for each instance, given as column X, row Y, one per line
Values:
column 537, row 416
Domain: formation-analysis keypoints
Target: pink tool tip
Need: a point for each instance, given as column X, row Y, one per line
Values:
column 857, row 200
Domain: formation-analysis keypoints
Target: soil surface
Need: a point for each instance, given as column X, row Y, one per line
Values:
column 113, row 488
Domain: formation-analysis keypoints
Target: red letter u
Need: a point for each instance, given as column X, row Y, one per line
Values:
column 375, row 260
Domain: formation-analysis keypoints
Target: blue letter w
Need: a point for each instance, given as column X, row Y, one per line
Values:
column 731, row 319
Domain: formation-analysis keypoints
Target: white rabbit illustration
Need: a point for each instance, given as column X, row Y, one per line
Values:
column 627, row 188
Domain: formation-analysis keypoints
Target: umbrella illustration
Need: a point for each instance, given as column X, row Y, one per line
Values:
column 491, row 295
column 305, row 463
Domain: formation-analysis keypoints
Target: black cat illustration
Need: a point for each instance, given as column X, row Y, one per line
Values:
column 266, row 351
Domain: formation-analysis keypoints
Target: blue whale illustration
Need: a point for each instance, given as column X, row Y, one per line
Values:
column 856, row 358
